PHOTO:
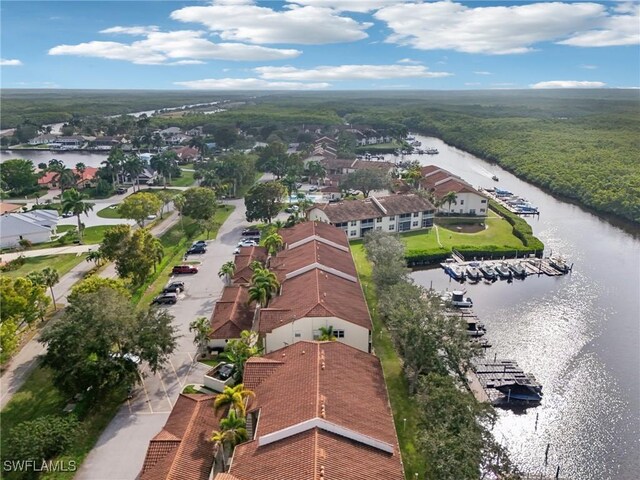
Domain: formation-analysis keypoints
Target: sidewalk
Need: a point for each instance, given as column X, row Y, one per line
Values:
column 25, row 360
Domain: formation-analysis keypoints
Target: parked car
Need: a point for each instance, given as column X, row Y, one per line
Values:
column 313, row 188
column 225, row 371
column 196, row 249
column 174, row 287
column 121, row 190
column 236, row 251
column 292, row 209
column 165, row 298
column 151, row 217
column 67, row 214
column 200, row 242
column 247, row 243
column 178, row 269
column 128, row 356
column 251, row 232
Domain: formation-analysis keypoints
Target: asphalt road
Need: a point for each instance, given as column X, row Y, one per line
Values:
column 120, row 450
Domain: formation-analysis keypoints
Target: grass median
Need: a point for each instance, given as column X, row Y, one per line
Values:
column 405, row 413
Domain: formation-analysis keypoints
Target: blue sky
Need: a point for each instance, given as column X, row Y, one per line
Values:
column 319, row 44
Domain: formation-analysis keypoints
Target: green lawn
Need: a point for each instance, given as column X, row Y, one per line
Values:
column 175, row 242
column 92, row 235
column 186, row 180
column 38, row 397
column 62, row 263
column 109, row 212
column 401, row 404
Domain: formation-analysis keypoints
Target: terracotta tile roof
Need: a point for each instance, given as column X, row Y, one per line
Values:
column 182, row 449
column 337, row 163
column 428, row 169
column 88, row 174
column 306, row 230
column 373, row 165
column 9, row 207
column 242, row 261
column 232, row 313
column 367, row 208
column 316, row 293
column 453, row 185
column 324, row 376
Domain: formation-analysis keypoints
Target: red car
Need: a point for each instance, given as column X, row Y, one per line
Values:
column 184, row 269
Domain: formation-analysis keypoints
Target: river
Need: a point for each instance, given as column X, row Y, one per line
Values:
column 578, row 334
column 68, row 157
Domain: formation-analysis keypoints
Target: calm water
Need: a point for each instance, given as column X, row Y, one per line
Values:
column 578, row 334
column 70, row 158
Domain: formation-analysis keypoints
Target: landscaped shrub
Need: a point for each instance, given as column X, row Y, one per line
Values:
column 521, row 228
column 14, row 264
column 42, row 438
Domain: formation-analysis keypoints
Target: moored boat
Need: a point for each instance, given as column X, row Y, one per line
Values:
column 559, row 264
column 521, row 390
column 488, row 272
column 431, row 151
column 518, row 270
column 456, row 272
column 503, row 271
column 473, row 273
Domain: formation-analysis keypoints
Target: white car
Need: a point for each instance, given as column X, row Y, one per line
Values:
column 236, row 251
column 247, row 243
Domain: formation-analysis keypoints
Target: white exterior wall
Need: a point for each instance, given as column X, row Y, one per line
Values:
column 12, row 240
column 354, row 335
column 466, row 202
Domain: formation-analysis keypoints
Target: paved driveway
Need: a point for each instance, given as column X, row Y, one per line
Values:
column 120, row 451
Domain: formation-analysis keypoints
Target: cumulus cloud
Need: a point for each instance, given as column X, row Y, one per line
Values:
column 588, row 67
column 409, row 61
column 568, row 84
column 14, row 62
column 348, row 72
column 505, row 29
column 482, row 73
column 164, row 47
column 137, row 31
column 304, row 25
column 614, row 31
column 248, row 84
column 348, row 5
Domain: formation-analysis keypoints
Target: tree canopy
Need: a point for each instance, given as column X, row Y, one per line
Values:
column 365, row 180
column 200, row 203
column 264, row 201
column 18, row 176
column 139, row 206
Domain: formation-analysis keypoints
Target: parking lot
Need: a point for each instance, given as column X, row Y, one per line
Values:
column 127, row 436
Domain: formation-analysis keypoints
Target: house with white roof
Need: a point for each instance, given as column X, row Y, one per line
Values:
column 36, row 226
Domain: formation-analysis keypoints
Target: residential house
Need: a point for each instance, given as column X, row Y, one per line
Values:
column 194, row 132
column 177, row 139
column 37, row 226
column 187, row 154
column 44, row 139
column 68, row 143
column 182, row 449
column 248, row 255
column 167, row 132
column 147, row 177
column 440, row 182
column 320, row 411
column 231, row 315
column 319, row 288
column 9, row 207
column 106, row 142
column 393, row 213
column 88, row 178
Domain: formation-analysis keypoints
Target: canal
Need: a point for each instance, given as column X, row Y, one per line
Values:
column 68, row 157
column 578, row 334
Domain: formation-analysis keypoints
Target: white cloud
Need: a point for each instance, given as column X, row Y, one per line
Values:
column 137, row 30
column 162, row 47
column 14, row 62
column 187, row 62
column 483, row 73
column 491, row 29
column 409, row 61
column 472, row 84
column 588, row 67
column 568, row 84
column 615, row 30
column 306, row 25
column 348, row 72
column 248, row 84
column 348, row 5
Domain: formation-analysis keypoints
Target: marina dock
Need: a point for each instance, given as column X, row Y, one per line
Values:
column 513, row 203
column 531, row 266
column 489, row 374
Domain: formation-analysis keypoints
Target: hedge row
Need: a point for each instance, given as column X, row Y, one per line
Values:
column 430, row 257
column 521, row 228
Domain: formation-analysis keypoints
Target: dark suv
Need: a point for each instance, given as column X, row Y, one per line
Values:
column 174, row 287
column 225, row 371
column 251, row 232
column 197, row 249
column 184, row 269
column 165, row 298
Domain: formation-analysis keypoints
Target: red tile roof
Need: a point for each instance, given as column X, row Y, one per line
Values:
column 88, row 174
column 306, row 230
column 307, row 396
column 350, row 210
column 316, row 293
column 453, row 185
column 232, row 313
column 182, row 449
column 244, row 259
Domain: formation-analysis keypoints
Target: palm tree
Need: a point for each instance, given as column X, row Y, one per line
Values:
column 278, row 224
column 256, row 265
column 273, row 243
column 326, row 334
column 113, row 164
column 235, row 427
column 234, row 398
column 201, row 329
column 133, row 166
column 316, row 170
column 50, row 277
column 413, row 175
column 227, row 270
column 449, row 198
column 81, row 168
column 96, row 257
column 220, row 440
column 155, row 250
column 179, row 202
column 258, row 294
column 72, row 201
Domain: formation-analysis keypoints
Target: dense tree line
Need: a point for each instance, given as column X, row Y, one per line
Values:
column 454, row 430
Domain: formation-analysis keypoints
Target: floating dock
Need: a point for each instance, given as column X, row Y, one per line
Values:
column 489, row 373
column 511, row 202
column 532, row 266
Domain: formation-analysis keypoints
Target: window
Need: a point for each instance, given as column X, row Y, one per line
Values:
column 428, row 212
column 338, row 333
column 353, row 233
column 483, row 201
column 427, row 222
column 415, row 214
column 415, row 224
column 297, row 334
column 392, row 227
column 341, row 224
column 461, row 202
column 354, row 223
column 472, row 211
column 392, row 218
column 379, row 220
column 482, row 210
column 378, row 229
column 405, row 215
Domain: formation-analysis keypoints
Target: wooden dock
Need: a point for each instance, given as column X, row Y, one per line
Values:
column 532, row 266
column 490, row 373
column 491, row 193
